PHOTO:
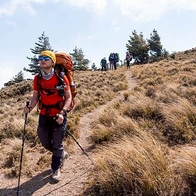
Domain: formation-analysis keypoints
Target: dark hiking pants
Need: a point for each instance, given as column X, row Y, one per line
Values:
column 128, row 64
column 51, row 136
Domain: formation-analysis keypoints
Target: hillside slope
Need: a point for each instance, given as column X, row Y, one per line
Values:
column 77, row 168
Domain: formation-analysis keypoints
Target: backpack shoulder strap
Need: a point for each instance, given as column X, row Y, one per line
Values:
column 39, row 75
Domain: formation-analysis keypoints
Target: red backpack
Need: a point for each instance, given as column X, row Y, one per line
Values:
column 64, row 66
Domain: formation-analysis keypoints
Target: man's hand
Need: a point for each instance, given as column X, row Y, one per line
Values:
column 27, row 108
column 59, row 118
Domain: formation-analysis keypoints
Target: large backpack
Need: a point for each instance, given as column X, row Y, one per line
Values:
column 64, row 65
column 116, row 57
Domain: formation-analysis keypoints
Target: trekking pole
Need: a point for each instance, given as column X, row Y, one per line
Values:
column 56, row 117
column 21, row 156
column 79, row 145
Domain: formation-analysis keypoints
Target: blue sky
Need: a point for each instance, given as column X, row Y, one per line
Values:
column 98, row 27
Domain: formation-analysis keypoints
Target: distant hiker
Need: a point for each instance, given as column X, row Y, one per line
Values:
column 111, row 61
column 116, row 60
column 54, row 100
column 128, row 59
column 103, row 64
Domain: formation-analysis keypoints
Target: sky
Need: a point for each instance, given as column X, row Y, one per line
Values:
column 98, row 27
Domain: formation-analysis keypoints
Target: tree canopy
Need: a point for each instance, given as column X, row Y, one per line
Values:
column 19, row 77
column 80, row 63
column 42, row 44
column 138, row 47
column 143, row 50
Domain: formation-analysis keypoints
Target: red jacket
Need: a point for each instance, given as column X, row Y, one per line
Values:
column 48, row 94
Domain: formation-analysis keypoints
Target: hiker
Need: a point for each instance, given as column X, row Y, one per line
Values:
column 116, row 60
column 54, row 100
column 111, row 61
column 128, row 59
column 103, row 64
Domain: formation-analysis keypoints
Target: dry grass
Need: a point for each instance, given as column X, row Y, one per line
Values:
column 137, row 136
column 94, row 89
column 136, row 165
column 144, row 143
column 180, row 121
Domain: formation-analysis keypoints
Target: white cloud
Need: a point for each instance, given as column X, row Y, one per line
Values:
column 9, row 8
column 11, row 23
column 139, row 10
column 81, row 39
column 146, row 10
column 97, row 6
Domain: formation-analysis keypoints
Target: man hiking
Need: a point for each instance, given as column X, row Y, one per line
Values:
column 111, row 61
column 128, row 59
column 54, row 100
column 103, row 64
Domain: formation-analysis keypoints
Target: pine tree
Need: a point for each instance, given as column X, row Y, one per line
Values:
column 138, row 47
column 18, row 77
column 43, row 44
column 155, row 45
column 80, row 63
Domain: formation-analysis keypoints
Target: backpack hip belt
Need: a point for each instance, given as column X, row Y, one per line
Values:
column 59, row 105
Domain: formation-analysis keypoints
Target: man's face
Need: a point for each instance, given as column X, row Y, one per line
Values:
column 45, row 61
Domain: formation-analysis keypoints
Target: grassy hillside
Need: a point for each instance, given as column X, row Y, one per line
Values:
column 145, row 144
column 94, row 89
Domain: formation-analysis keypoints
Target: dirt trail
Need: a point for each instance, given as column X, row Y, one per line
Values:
column 76, row 169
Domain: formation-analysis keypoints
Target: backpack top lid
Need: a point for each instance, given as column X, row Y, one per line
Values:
column 64, row 59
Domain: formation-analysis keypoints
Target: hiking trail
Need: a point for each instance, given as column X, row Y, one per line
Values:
column 77, row 166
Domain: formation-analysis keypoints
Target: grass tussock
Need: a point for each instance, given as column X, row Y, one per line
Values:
column 186, row 161
column 112, row 126
column 141, row 106
column 136, row 165
column 180, row 121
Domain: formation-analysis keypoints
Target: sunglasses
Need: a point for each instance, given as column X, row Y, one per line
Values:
column 45, row 58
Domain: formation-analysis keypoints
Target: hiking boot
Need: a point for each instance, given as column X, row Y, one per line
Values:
column 56, row 175
column 64, row 157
